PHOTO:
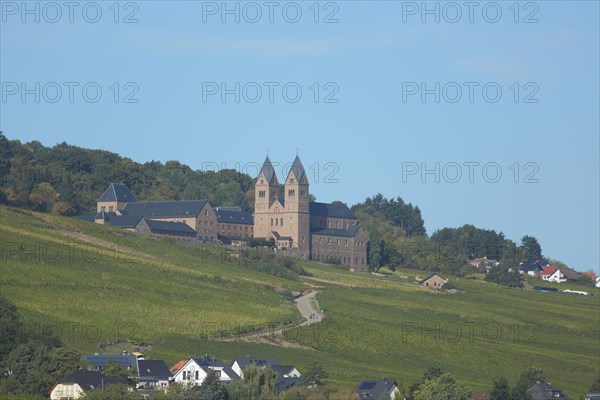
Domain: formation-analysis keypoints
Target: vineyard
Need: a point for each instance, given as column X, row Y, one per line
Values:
column 96, row 285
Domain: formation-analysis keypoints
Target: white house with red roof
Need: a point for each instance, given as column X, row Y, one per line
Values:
column 552, row 273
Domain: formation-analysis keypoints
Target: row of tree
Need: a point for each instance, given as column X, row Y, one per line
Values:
column 67, row 180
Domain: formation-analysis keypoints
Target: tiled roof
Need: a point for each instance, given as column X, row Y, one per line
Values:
column 330, row 210
column 233, row 215
column 178, row 366
column 117, row 192
column 549, row 270
column 165, row 209
column 348, row 233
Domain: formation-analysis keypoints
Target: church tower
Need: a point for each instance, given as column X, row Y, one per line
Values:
column 296, row 206
column 266, row 192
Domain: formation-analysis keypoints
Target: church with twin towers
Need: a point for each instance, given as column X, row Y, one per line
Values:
column 294, row 225
column 326, row 232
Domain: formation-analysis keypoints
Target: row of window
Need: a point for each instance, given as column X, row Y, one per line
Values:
column 278, row 222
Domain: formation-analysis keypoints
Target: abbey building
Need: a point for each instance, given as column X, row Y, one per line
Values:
column 292, row 223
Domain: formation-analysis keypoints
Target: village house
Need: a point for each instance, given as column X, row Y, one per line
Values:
column 195, row 371
column 592, row 396
column 532, row 267
column 484, row 263
column 77, row 384
column 433, row 281
column 287, row 375
column 552, row 273
column 153, row 374
column 570, row 274
column 383, row 389
column 242, row 363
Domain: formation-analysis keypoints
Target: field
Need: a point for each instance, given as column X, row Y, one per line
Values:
column 108, row 284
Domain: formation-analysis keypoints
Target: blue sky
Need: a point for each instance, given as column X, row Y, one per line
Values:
column 375, row 61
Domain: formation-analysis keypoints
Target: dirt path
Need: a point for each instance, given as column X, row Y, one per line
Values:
column 309, row 309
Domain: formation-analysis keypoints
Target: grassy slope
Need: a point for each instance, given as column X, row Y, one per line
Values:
column 173, row 293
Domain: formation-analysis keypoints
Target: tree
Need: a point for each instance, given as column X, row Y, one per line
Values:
column 36, row 367
column 62, row 208
column 528, row 378
column 114, row 370
column 315, row 375
column 500, row 391
column 212, row 388
column 443, row 387
column 258, row 382
column 595, row 386
column 531, row 248
column 10, row 324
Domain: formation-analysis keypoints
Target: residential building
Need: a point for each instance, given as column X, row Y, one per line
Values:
column 195, row 371
column 552, row 273
column 383, row 389
column 153, row 374
column 433, row 281
column 77, row 384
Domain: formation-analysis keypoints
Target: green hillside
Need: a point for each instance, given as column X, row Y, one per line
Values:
column 97, row 284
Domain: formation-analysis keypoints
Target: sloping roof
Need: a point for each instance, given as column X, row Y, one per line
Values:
column 330, row 210
column 532, row 265
column 430, row 276
column 165, row 209
column 347, row 233
column 178, row 366
column 549, row 270
column 377, row 390
column 206, row 362
column 117, row 192
column 297, row 169
column 278, row 236
column 542, row 391
column 245, row 362
column 233, row 215
column 282, row 369
column 169, row 226
column 124, row 221
column 268, row 170
column 570, row 273
column 90, row 380
column 97, row 360
column 288, row 383
column 153, row 369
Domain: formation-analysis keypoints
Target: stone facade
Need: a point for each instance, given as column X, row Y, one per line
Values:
column 315, row 231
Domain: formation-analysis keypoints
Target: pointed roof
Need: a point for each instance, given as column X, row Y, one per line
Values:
column 268, row 170
column 298, row 169
column 117, row 192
